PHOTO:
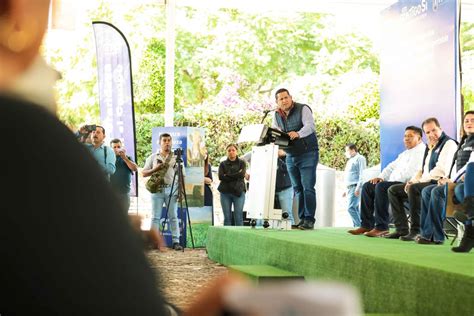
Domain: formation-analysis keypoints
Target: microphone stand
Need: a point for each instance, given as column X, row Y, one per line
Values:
column 265, row 113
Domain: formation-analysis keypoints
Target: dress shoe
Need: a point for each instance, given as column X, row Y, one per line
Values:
column 409, row 237
column 298, row 225
column 424, row 241
column 395, row 235
column 358, row 231
column 376, row 233
column 307, row 225
column 177, row 246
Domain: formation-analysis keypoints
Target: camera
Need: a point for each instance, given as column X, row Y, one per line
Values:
column 178, row 152
column 90, row 128
column 83, row 133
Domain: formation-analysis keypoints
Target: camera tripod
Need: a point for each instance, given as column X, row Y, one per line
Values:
column 179, row 187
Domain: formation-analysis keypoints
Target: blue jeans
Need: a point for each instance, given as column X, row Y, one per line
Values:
column 302, row 171
column 375, row 201
column 459, row 192
column 157, row 201
column 353, row 205
column 226, row 202
column 285, row 197
column 433, row 212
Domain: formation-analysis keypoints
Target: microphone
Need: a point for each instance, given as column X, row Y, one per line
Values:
column 265, row 113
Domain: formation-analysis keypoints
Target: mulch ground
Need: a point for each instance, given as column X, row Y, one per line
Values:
column 183, row 274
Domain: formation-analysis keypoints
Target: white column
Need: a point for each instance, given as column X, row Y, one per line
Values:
column 169, row 66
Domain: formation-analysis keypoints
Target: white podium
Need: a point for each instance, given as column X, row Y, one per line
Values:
column 263, row 170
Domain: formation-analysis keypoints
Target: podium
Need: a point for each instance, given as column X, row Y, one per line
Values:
column 263, row 169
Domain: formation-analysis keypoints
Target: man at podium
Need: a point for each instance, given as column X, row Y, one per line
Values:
column 302, row 157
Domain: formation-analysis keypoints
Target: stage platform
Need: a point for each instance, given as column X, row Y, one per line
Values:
column 394, row 277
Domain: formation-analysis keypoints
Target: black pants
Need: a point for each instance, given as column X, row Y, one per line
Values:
column 397, row 197
column 374, row 205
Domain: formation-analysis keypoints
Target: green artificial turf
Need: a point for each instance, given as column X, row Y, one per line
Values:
column 260, row 273
column 393, row 276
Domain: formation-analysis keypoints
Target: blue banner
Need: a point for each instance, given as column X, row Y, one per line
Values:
column 418, row 69
column 115, row 88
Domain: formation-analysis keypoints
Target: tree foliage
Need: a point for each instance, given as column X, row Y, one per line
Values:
column 227, row 65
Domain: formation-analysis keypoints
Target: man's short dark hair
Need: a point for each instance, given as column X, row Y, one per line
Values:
column 415, row 129
column 115, row 141
column 103, row 129
column 352, row 146
column 431, row 120
column 280, row 91
column 164, row 135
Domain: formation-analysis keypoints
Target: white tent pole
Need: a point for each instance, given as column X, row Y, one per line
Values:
column 169, row 66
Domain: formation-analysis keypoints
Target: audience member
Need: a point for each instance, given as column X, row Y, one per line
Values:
column 356, row 164
column 464, row 193
column 374, row 204
column 232, row 186
column 436, row 164
column 124, row 168
column 103, row 154
column 433, row 204
column 208, row 196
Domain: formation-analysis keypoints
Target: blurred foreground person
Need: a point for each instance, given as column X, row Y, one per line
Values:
column 65, row 249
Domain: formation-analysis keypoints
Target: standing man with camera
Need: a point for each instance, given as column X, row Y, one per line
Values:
column 162, row 163
column 302, row 155
column 124, row 168
column 103, row 154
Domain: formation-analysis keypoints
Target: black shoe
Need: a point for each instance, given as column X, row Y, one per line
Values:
column 409, row 237
column 467, row 241
column 177, row 246
column 299, row 224
column 307, row 225
column 395, row 235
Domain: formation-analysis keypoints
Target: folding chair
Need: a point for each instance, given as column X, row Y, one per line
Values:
column 451, row 224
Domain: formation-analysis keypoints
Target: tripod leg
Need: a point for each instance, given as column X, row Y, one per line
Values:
column 183, row 196
column 167, row 204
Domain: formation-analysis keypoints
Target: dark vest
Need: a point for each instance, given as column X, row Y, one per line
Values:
column 435, row 152
column 465, row 152
column 294, row 122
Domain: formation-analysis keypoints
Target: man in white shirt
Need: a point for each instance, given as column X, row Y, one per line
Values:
column 374, row 204
column 436, row 164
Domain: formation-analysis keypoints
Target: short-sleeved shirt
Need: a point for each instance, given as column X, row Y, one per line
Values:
column 152, row 161
column 122, row 177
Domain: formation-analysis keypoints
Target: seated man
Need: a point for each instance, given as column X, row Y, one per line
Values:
column 433, row 205
column 436, row 164
column 374, row 192
column 464, row 193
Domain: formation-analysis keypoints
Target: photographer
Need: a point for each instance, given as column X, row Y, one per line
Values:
column 124, row 168
column 103, row 154
column 162, row 165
